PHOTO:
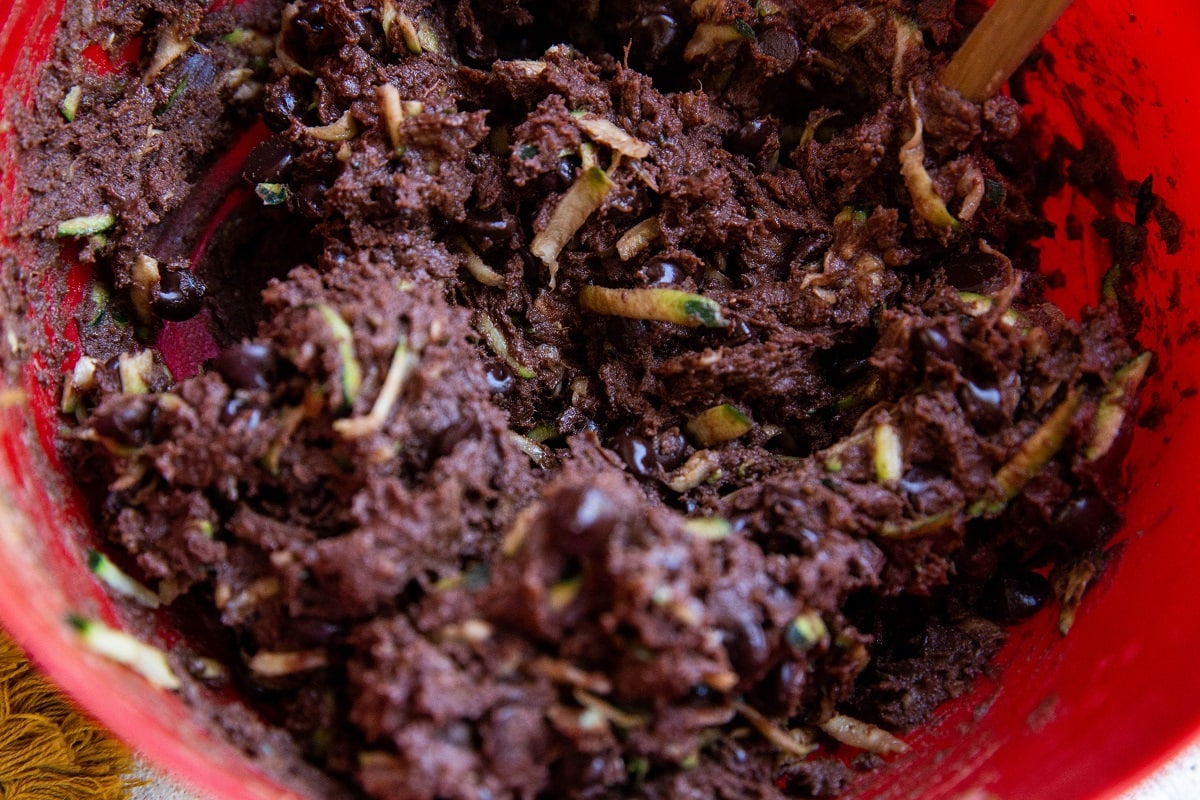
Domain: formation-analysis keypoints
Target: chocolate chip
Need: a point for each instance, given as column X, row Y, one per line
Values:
column 652, row 38
column 919, row 480
column 283, row 102
column 557, row 179
column 238, row 409
column 1084, row 521
column 355, row 30
column 248, row 365
column 660, row 272
column 499, row 379
column 583, row 517
column 932, row 343
column 491, row 228
column 309, row 201
column 179, row 294
column 810, row 246
column 752, row 137
column 746, row 644
column 852, row 367
column 672, row 448
column 637, row 453
column 788, row 683
column 130, row 423
column 1014, row 597
column 200, row 69
column 780, row 45
column 233, row 406
column 984, row 406
column 309, row 34
column 269, row 161
column 593, row 770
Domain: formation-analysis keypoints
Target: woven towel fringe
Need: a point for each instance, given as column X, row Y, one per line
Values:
column 48, row 749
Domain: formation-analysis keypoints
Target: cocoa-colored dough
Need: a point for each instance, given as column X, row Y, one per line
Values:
column 473, row 513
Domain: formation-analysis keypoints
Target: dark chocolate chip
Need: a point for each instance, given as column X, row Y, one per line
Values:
column 1086, row 520
column 584, row 769
column 848, row 361
column 269, row 161
column 1011, row 598
column 660, row 272
column 781, row 45
column 309, row 201
column 932, row 343
column 984, row 406
column 309, row 33
column 637, row 453
column 672, row 449
column 355, row 30
column 918, row 480
column 233, row 406
column 787, row 684
column 248, row 365
column 477, row 49
column 584, row 517
column 499, row 379
column 179, row 294
column 652, row 39
column 749, row 139
column 283, row 102
column 557, row 179
column 488, row 229
column 199, row 69
column 746, row 644
column 130, row 423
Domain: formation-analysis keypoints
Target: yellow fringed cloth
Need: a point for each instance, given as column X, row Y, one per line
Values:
column 48, row 750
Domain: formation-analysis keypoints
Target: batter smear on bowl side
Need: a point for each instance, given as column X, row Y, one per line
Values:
column 580, row 400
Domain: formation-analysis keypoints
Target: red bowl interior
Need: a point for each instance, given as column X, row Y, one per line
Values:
column 1074, row 717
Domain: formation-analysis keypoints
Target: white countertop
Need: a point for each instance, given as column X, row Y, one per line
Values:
column 1179, row 780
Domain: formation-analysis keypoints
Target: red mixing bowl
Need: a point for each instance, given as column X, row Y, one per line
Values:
column 1083, row 716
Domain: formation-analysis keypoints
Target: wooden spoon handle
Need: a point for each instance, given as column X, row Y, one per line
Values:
column 1002, row 40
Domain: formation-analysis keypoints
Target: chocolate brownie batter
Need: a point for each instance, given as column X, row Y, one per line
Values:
column 613, row 398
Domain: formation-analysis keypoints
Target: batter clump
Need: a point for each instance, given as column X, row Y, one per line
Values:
column 609, row 398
